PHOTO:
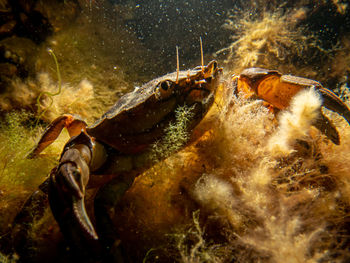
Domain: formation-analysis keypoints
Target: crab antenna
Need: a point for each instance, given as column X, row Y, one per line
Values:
column 202, row 58
column 177, row 64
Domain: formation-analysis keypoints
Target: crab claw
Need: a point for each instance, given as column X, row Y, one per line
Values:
column 325, row 126
column 334, row 103
column 67, row 191
column 278, row 90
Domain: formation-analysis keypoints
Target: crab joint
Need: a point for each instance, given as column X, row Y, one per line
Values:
column 235, row 77
column 188, row 79
column 203, row 81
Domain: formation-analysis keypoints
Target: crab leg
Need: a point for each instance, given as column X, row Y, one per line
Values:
column 108, row 196
column 69, row 179
column 71, row 123
column 334, row 103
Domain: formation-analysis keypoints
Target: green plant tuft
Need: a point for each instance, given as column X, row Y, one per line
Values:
column 194, row 248
column 7, row 259
column 19, row 176
column 176, row 134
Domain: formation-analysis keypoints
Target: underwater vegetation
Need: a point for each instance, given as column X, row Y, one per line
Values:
column 19, row 176
column 257, row 199
column 248, row 201
column 97, row 55
column 176, row 134
column 249, row 187
column 304, row 38
column 269, row 39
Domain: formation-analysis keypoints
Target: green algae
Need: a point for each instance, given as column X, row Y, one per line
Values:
column 176, row 134
column 19, row 176
column 7, row 259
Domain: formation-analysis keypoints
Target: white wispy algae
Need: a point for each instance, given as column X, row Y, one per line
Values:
column 295, row 123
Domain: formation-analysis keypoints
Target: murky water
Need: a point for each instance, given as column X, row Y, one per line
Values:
column 249, row 186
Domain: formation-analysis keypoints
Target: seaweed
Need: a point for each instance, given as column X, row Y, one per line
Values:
column 276, row 206
column 255, row 203
column 270, row 39
column 49, row 94
column 176, row 134
column 193, row 247
column 19, row 176
column 265, row 189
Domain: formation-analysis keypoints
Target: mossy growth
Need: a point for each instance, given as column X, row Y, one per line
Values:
column 19, row 176
column 176, row 134
column 7, row 259
column 269, row 207
column 265, row 39
column 193, row 247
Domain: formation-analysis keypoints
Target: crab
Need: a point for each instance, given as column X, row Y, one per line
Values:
column 277, row 91
column 115, row 150
column 111, row 153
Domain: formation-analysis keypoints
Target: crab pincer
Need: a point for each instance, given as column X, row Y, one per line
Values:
column 67, row 187
column 278, row 90
column 69, row 179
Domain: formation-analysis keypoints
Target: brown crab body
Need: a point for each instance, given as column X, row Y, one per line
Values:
column 139, row 118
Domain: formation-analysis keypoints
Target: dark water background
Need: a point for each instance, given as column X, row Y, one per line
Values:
column 160, row 25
